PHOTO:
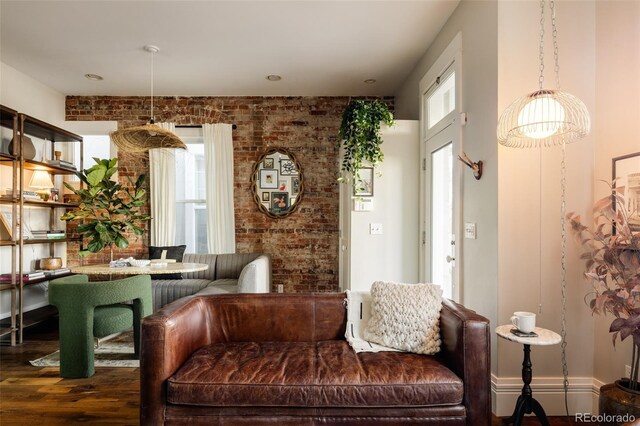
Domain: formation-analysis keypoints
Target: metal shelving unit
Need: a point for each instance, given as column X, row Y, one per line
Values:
column 22, row 124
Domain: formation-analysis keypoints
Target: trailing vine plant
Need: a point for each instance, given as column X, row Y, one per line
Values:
column 360, row 134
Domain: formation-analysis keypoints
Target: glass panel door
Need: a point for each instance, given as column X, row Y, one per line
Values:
column 442, row 241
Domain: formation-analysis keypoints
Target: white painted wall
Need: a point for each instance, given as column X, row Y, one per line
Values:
column 26, row 95
column 616, row 132
column 478, row 23
column 392, row 256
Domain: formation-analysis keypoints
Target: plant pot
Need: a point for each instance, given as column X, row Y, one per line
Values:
column 616, row 401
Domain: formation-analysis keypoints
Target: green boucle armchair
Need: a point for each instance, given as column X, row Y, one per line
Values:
column 89, row 309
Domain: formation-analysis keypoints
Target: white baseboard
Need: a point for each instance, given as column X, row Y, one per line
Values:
column 549, row 392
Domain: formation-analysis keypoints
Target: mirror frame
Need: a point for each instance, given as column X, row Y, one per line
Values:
column 254, row 183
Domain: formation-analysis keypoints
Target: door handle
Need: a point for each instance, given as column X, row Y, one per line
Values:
column 450, row 259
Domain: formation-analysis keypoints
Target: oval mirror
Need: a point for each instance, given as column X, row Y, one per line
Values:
column 277, row 183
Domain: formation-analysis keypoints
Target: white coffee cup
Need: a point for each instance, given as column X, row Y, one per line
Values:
column 524, row 321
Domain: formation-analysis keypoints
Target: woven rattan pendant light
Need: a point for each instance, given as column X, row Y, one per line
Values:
column 143, row 138
column 548, row 117
column 545, row 117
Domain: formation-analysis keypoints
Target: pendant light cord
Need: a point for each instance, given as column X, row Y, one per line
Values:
column 563, row 184
column 556, row 56
column 563, row 285
column 541, row 52
column 152, row 117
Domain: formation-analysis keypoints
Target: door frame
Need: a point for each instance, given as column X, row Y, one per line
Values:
column 450, row 57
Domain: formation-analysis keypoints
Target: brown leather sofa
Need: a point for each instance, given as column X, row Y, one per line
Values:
column 281, row 359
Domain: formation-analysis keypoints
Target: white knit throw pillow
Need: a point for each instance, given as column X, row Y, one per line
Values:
column 405, row 316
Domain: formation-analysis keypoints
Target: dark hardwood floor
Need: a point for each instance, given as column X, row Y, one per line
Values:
column 38, row 396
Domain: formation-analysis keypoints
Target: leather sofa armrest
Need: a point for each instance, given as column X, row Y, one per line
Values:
column 169, row 337
column 255, row 277
column 466, row 349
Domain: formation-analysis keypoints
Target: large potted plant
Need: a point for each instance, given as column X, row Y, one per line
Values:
column 611, row 251
column 360, row 133
column 107, row 210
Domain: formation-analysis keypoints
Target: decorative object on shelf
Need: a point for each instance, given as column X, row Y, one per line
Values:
column 6, row 220
column 363, row 182
column 41, row 180
column 360, row 133
column 473, row 165
column 28, row 148
column 140, row 139
column 50, row 263
column 625, row 172
column 612, row 263
column 290, row 185
column 543, row 118
column 54, row 194
column 57, row 155
column 107, row 210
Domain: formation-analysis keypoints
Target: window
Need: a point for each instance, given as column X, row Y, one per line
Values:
column 98, row 146
column 443, row 100
column 191, row 206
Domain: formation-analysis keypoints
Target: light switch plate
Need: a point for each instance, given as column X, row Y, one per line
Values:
column 470, row 230
column 375, row 228
column 363, row 205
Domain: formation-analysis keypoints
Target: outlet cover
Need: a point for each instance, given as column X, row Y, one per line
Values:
column 375, row 228
column 280, row 288
column 470, row 230
column 627, row 371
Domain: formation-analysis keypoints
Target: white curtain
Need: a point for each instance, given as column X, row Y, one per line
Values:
column 162, row 184
column 218, row 157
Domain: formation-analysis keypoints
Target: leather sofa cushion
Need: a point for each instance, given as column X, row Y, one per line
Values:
column 311, row 374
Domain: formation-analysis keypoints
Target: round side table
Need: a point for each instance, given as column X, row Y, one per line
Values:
column 526, row 404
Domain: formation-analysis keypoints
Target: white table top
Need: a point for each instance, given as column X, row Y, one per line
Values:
column 170, row 268
column 545, row 337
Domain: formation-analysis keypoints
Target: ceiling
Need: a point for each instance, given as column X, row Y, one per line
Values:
column 220, row 47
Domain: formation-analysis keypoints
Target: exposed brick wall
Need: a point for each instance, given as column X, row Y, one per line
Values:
column 304, row 246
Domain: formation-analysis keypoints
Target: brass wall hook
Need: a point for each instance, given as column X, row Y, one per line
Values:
column 475, row 166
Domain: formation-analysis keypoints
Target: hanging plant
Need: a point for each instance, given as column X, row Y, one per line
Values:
column 360, row 133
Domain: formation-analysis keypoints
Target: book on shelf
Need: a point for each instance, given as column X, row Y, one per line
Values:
column 48, row 235
column 29, row 276
column 27, row 195
column 62, row 163
column 55, row 272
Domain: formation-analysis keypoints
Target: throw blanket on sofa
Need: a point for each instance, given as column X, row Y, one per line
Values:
column 358, row 314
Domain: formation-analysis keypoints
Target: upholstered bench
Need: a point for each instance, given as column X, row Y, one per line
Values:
column 227, row 273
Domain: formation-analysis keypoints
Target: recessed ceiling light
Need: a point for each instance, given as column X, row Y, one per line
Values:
column 370, row 80
column 94, row 77
column 273, row 77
